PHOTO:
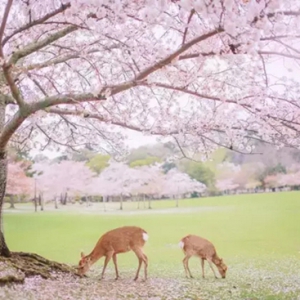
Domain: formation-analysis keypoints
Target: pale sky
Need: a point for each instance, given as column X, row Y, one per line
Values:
column 135, row 140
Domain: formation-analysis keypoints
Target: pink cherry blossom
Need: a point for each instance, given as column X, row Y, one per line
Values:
column 17, row 181
column 207, row 73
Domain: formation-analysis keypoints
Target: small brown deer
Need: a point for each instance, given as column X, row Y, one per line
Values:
column 193, row 245
column 119, row 240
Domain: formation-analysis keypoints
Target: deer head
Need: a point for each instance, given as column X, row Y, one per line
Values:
column 222, row 268
column 84, row 264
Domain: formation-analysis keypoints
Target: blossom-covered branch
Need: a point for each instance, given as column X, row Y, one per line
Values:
column 41, row 20
column 35, row 46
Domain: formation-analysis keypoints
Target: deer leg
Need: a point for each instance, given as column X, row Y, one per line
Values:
column 211, row 266
column 142, row 258
column 186, row 266
column 202, row 265
column 145, row 266
column 116, row 266
column 107, row 259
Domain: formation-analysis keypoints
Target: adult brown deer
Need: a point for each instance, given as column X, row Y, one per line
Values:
column 119, row 240
column 193, row 245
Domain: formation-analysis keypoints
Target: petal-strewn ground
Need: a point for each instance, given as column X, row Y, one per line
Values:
column 244, row 281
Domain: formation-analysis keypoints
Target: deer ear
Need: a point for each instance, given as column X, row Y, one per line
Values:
column 82, row 255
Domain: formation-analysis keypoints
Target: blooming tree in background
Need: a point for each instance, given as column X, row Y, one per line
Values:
column 116, row 180
column 290, row 179
column 17, row 181
column 201, row 72
column 151, row 182
column 226, row 185
column 271, row 181
column 179, row 184
column 66, row 177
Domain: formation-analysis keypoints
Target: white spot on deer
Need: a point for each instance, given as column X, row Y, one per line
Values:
column 181, row 244
column 145, row 236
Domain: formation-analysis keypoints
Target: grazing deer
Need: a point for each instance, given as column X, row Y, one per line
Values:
column 193, row 245
column 119, row 240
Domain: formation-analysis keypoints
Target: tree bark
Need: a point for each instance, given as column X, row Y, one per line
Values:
column 65, row 198
column 121, row 202
column 104, row 199
column 22, row 265
column 35, row 200
column 12, row 201
column 41, row 200
column 35, row 204
column 4, row 251
column 149, row 202
column 56, row 202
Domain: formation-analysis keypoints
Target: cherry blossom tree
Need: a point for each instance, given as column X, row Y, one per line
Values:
column 226, row 185
column 271, row 181
column 231, row 176
column 151, row 182
column 290, row 179
column 118, row 180
column 17, row 181
column 179, row 184
column 253, row 184
column 198, row 71
column 64, row 178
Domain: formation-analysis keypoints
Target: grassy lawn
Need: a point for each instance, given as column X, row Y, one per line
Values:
column 258, row 236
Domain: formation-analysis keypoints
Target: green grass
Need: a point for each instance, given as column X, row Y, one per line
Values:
column 248, row 231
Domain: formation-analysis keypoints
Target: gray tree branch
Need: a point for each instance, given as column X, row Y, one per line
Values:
column 3, row 23
column 41, row 20
column 35, row 46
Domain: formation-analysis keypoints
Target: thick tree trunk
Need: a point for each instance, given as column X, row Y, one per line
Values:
column 4, row 251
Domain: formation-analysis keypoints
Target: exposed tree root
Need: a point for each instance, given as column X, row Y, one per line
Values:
column 21, row 265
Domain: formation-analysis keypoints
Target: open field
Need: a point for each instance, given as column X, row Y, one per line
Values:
column 256, row 235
